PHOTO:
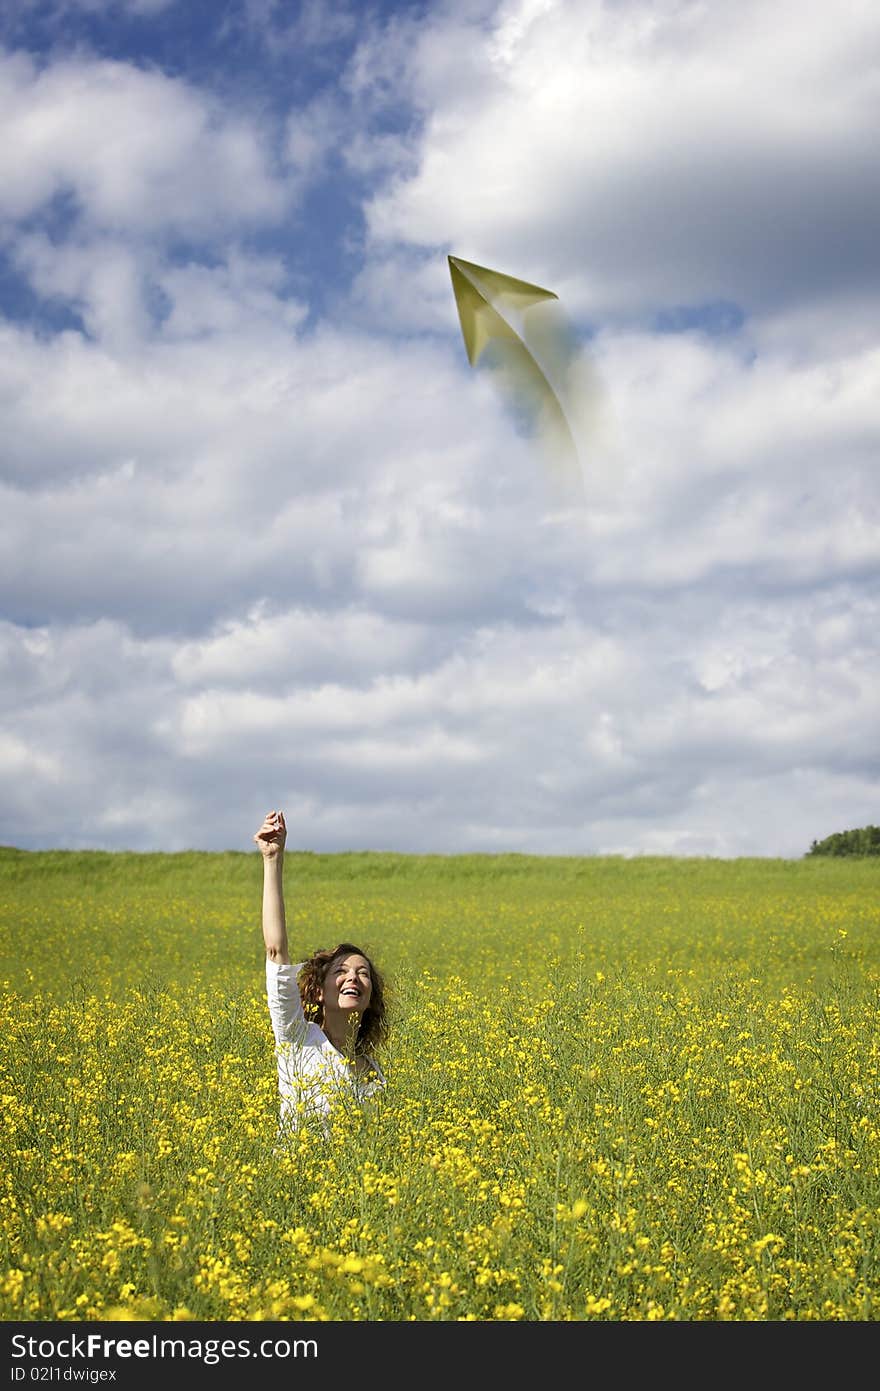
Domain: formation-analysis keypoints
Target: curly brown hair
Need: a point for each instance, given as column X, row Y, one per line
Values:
column 373, row 1025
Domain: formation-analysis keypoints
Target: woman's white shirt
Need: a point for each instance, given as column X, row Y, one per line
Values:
column 313, row 1076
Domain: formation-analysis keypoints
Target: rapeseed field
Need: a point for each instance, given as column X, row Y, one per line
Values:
column 618, row 1089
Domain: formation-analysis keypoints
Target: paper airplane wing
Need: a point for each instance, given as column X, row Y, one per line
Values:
column 474, row 288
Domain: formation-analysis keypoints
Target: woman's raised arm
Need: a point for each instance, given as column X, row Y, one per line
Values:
column 271, row 838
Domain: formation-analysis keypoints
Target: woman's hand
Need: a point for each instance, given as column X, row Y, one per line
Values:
column 272, row 835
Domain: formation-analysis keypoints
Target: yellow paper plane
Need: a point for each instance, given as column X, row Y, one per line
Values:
column 485, row 298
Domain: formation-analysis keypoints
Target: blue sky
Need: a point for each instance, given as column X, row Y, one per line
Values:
column 269, row 541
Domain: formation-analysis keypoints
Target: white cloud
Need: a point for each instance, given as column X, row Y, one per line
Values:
column 623, row 739
column 243, row 295
column 299, row 646
column 647, row 155
column 133, row 149
column 254, row 558
column 20, row 761
column 102, row 281
column 312, row 134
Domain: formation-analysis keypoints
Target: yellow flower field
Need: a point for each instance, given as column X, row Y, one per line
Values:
column 618, row 1090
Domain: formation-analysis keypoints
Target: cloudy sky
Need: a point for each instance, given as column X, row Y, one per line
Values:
column 268, row 539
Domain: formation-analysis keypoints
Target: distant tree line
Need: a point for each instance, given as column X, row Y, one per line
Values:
column 864, row 841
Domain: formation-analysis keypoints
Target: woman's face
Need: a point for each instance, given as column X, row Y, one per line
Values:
column 348, row 985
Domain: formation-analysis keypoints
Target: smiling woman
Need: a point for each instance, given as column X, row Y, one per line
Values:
column 328, row 1012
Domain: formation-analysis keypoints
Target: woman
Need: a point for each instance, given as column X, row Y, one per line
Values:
column 328, row 1013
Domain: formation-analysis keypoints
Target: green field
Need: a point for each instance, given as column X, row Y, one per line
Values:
column 619, row 1089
